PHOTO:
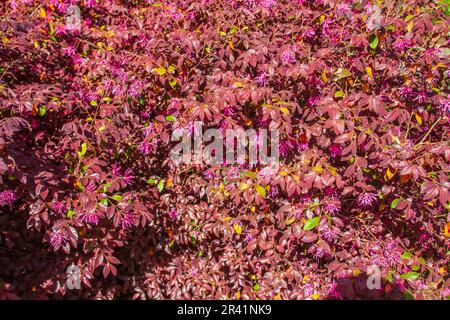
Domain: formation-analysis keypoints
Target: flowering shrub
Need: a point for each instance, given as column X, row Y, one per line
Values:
column 88, row 103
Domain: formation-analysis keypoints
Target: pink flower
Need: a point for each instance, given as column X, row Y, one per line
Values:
column 116, row 169
column 425, row 240
column 298, row 213
column 91, row 3
column 332, row 205
column 335, row 150
column 330, row 234
column 145, row 148
column 309, row 33
column 302, row 146
column 402, row 44
column 7, row 197
column 229, row 110
column 320, row 253
column 400, row 284
column 366, row 199
column 127, row 221
column 135, row 89
column 405, row 92
column 273, row 191
column 193, row 272
column 149, row 130
column 444, row 106
column 209, row 174
column 421, row 97
column 57, row 239
column 14, row 5
column 285, row 147
column 90, row 217
column 268, row 4
column 145, row 114
column 128, row 177
column 262, row 80
column 90, row 187
column 330, row 192
column 308, row 289
column 70, row 51
column 59, row 207
column 250, row 3
column 172, row 214
column 288, row 57
column 312, row 101
column 391, row 253
column 306, row 199
column 249, row 237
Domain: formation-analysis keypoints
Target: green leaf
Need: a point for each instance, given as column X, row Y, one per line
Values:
column 249, row 174
column 106, row 187
column 233, row 30
column 445, row 6
column 345, row 73
column 171, row 68
column 83, row 150
column 390, row 277
column 406, row 255
column 311, row 223
column 104, row 202
column 160, row 70
column 42, row 111
column 260, row 190
column 151, row 181
column 394, row 203
column 93, row 103
column 160, row 186
column 256, row 287
column 410, row 275
column 70, row 213
column 338, row 94
column 373, row 41
column 117, row 197
column 408, row 295
column 170, row 118
column 409, row 17
column 415, row 267
column 173, row 82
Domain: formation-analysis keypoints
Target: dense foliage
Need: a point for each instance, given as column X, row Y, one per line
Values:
column 360, row 97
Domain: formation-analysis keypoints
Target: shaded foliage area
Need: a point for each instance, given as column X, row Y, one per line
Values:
column 357, row 89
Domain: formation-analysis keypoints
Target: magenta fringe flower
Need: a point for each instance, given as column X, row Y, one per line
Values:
column 91, row 217
column 288, row 57
column 57, row 239
column 335, row 150
column 127, row 221
column 128, row 177
column 7, row 197
column 172, row 214
column 366, row 199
